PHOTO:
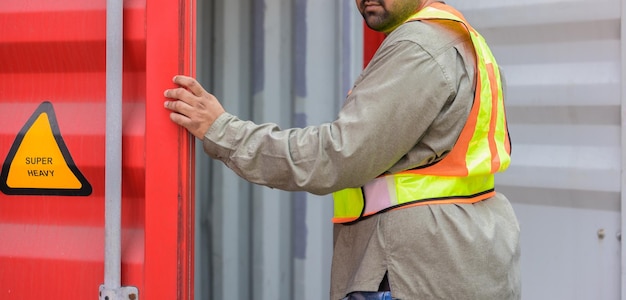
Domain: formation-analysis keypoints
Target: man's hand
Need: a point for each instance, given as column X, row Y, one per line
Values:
column 192, row 107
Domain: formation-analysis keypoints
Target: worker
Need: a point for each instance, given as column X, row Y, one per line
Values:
column 410, row 161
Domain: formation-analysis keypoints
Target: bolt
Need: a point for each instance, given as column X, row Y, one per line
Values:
column 601, row 234
column 619, row 236
column 132, row 296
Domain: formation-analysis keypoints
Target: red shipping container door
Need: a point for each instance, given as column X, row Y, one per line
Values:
column 371, row 41
column 52, row 149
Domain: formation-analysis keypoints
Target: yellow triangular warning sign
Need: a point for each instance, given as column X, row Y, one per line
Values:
column 39, row 162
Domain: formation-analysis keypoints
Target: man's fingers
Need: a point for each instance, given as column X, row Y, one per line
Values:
column 179, row 107
column 180, row 94
column 189, row 83
column 179, row 119
column 191, row 106
column 194, row 127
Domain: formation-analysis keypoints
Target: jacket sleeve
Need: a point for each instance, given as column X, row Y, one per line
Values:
column 390, row 108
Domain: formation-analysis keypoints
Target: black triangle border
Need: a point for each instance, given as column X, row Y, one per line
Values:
column 85, row 190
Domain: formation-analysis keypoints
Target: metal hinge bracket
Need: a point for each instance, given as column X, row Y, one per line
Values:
column 121, row 293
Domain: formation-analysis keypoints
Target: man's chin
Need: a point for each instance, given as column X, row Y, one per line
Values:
column 376, row 26
column 372, row 21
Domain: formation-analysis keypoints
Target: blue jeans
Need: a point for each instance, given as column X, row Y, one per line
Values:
column 369, row 296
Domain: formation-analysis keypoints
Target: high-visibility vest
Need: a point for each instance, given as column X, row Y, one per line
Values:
column 466, row 174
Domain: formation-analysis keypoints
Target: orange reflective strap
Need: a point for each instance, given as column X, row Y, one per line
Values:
column 493, row 148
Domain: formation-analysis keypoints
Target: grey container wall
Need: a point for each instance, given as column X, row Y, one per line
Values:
column 291, row 62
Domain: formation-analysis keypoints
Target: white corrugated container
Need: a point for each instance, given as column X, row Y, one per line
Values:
column 562, row 62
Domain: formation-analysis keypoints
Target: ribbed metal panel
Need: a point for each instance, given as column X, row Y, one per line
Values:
column 53, row 55
column 289, row 62
column 56, row 52
column 223, row 199
column 561, row 60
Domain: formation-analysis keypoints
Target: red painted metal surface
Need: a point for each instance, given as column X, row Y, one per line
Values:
column 170, row 34
column 371, row 41
column 52, row 246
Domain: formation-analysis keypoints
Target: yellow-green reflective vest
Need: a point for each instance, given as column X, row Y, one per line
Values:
column 466, row 174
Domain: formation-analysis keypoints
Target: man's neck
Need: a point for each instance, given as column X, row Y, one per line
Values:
column 426, row 3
